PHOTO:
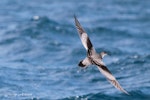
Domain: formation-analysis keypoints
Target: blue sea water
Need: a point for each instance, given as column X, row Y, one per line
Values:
column 40, row 49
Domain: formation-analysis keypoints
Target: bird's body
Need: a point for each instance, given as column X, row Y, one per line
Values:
column 94, row 58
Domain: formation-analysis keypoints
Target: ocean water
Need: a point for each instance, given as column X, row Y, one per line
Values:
column 40, row 49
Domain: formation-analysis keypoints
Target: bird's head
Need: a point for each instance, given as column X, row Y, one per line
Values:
column 102, row 54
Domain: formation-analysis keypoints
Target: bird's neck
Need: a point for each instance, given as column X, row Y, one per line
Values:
column 102, row 55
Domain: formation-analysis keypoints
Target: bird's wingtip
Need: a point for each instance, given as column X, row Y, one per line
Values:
column 75, row 16
column 126, row 92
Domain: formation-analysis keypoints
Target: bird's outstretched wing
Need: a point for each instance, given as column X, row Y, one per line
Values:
column 84, row 37
column 105, row 71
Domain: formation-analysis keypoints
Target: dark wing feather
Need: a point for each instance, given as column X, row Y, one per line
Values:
column 83, row 35
column 105, row 71
column 79, row 27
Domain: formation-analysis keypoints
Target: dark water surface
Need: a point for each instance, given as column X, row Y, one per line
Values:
column 40, row 49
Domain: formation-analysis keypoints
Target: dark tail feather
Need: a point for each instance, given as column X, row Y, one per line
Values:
column 81, row 64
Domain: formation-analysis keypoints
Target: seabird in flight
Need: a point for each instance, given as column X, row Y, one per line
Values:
column 94, row 58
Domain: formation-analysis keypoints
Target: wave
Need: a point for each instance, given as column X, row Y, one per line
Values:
column 136, row 95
